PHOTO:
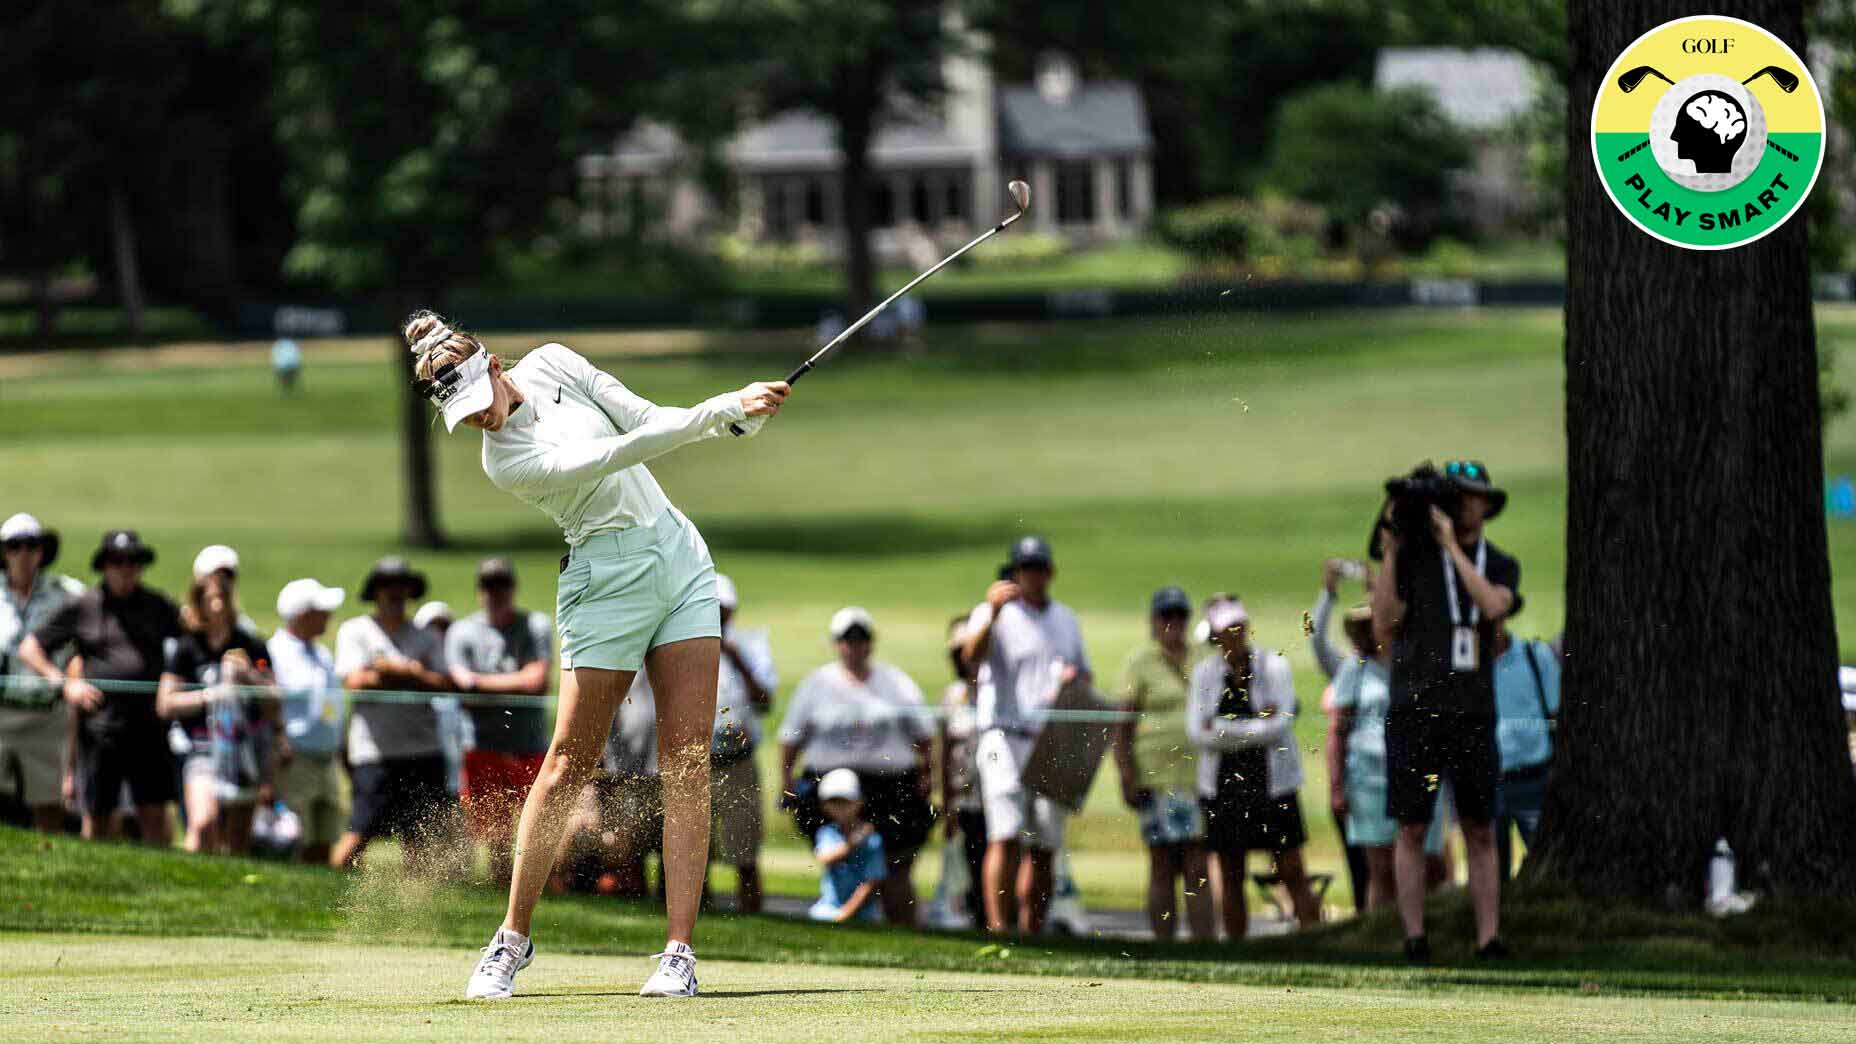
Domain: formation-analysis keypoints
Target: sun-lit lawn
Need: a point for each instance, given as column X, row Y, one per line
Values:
column 1217, row 451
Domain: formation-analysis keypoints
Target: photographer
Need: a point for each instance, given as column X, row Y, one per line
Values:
column 1439, row 599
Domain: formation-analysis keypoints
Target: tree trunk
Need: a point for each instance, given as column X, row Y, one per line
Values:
column 856, row 119
column 420, row 526
column 122, row 244
column 44, row 308
column 1700, row 693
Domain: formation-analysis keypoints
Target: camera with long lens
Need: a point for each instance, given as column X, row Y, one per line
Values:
column 1407, row 510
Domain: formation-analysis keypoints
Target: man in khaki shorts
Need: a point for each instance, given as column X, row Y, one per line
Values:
column 743, row 695
column 310, row 779
column 33, row 720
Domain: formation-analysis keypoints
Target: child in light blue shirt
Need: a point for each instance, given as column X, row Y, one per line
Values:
column 849, row 852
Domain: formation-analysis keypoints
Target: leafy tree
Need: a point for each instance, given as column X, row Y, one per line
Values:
column 855, row 62
column 1353, row 150
column 423, row 134
column 87, row 91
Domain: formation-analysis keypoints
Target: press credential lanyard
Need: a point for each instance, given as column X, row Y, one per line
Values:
column 1463, row 652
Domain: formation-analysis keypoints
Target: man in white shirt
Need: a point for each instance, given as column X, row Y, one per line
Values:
column 313, row 711
column 34, row 722
column 743, row 695
column 1028, row 646
column 395, row 758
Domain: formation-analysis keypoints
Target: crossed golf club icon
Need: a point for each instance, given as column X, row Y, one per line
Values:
column 1629, row 81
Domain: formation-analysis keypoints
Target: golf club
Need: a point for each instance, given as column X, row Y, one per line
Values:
column 1629, row 81
column 1021, row 196
column 1787, row 81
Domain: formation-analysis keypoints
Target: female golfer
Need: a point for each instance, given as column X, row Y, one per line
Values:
column 637, row 589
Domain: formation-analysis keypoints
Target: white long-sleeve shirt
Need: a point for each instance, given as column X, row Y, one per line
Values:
column 1272, row 695
column 576, row 448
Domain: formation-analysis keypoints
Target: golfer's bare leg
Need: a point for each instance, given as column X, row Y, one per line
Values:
column 1294, row 876
column 589, row 698
column 683, row 674
column 1233, row 903
column 1408, row 870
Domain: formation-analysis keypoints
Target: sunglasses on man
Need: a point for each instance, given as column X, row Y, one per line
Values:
column 1467, row 469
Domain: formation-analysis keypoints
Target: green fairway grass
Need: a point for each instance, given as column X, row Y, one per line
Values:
column 100, row 987
column 1225, row 452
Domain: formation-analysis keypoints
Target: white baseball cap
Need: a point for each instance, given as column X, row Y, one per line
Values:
column 1224, row 615
column 851, row 616
column 840, row 783
column 212, row 558
column 725, row 592
column 301, row 596
column 430, row 612
column 21, row 527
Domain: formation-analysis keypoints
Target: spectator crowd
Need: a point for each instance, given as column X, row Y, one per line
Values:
column 417, row 725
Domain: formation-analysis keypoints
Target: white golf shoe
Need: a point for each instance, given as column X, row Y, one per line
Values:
column 675, row 975
column 495, row 977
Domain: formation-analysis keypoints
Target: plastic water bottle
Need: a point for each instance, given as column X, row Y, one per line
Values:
column 1721, row 875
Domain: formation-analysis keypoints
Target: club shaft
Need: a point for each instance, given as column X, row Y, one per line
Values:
column 806, row 367
column 891, row 299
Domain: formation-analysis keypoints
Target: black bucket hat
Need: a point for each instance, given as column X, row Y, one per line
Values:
column 24, row 527
column 122, row 542
column 1472, row 476
column 388, row 569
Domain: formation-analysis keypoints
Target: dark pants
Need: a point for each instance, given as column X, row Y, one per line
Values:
column 973, row 846
column 1518, row 801
column 1357, row 873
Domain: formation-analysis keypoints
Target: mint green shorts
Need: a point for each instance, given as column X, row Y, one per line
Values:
column 626, row 593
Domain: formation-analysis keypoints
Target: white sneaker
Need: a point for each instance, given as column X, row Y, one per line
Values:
column 495, row 977
column 675, row 975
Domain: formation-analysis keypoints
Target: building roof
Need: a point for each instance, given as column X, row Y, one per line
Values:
column 803, row 139
column 1481, row 89
column 1104, row 116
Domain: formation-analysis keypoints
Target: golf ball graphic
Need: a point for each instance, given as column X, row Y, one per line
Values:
column 1708, row 133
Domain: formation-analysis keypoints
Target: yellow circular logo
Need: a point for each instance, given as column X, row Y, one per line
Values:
column 1708, row 132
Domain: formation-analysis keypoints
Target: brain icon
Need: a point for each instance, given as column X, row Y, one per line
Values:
column 1717, row 114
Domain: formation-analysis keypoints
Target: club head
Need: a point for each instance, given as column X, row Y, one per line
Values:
column 1787, row 81
column 1628, row 81
column 1021, row 194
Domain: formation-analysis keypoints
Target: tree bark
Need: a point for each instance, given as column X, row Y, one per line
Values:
column 1700, row 693
column 128, row 276
column 857, row 106
column 420, row 526
column 44, row 308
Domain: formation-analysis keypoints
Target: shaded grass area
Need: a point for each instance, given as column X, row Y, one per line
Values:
column 62, row 885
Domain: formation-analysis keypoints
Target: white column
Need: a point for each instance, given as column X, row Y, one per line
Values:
column 1043, row 196
column 1102, row 174
column 753, row 208
column 1141, row 190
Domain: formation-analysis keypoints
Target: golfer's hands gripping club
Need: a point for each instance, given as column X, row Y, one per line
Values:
column 759, row 401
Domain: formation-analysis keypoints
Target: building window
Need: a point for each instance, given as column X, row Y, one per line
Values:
column 1124, row 188
column 918, row 200
column 815, row 202
column 1076, row 198
column 773, row 198
column 882, row 204
column 956, row 202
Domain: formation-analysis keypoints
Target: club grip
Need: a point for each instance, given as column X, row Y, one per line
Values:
column 791, row 378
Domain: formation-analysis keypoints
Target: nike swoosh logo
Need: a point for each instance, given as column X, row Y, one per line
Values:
column 557, row 395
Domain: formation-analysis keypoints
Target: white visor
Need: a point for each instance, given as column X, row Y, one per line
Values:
column 462, row 389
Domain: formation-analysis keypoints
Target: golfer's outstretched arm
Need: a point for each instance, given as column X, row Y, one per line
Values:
column 561, row 467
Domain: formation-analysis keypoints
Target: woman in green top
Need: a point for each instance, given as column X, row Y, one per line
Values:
column 1159, row 769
